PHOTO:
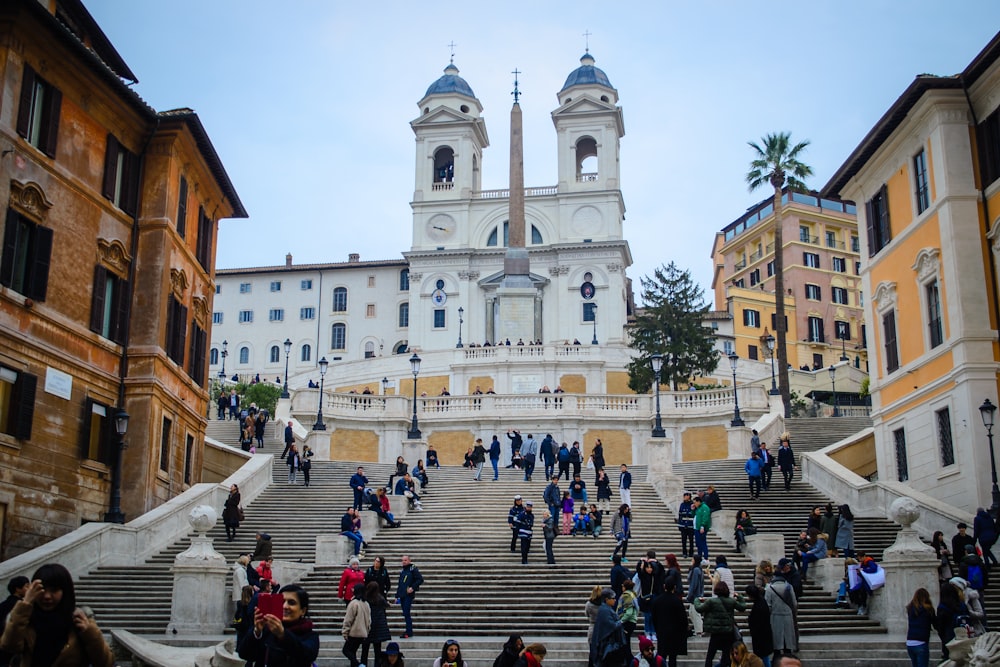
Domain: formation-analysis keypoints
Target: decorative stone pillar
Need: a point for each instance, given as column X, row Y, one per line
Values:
column 909, row 564
column 765, row 546
column 738, row 438
column 199, row 601
column 333, row 549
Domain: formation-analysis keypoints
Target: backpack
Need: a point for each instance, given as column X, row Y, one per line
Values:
column 975, row 577
column 628, row 607
column 563, row 454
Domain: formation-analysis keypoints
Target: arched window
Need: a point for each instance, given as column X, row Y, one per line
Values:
column 536, row 236
column 338, row 337
column 586, row 160
column 244, row 355
column 213, row 356
column 444, row 165
column 307, row 352
column 369, row 350
column 404, row 315
column 275, row 354
column 340, row 300
column 404, row 280
column 402, row 348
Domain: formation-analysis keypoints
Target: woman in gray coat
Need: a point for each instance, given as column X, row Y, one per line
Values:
column 780, row 598
column 845, row 532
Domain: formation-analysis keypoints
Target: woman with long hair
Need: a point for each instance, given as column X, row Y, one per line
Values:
column 510, row 653
column 744, row 526
column 289, row 641
column 949, row 610
column 401, row 469
column 763, row 574
column 420, row 472
column 673, row 578
column 532, row 656
column 943, row 554
column 759, row 622
column 742, row 657
column 621, row 530
column 378, row 573
column 451, row 655
column 845, row 532
column 603, row 491
column 379, row 631
column 242, row 617
column 46, row 628
column 357, row 625
column 719, row 615
column 920, row 619
column 231, row 513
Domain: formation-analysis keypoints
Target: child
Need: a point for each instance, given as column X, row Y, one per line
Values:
column 567, row 513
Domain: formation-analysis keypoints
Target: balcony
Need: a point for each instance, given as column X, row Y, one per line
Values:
column 740, row 265
column 441, row 187
column 838, row 245
column 504, row 193
column 587, row 178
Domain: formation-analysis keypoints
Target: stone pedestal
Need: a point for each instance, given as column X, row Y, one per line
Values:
column 319, row 442
column 333, row 550
column 660, row 472
column 200, row 596
column 369, row 525
column 412, row 451
column 828, row 573
column 723, row 523
column 909, row 564
column 517, row 306
column 765, row 546
column 399, row 506
column 738, row 439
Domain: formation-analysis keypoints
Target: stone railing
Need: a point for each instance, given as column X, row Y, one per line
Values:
column 504, row 193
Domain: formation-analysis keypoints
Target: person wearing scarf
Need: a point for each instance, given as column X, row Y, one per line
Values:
column 532, row 656
column 289, row 641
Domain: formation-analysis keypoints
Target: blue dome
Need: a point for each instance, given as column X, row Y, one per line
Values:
column 587, row 74
column 451, row 82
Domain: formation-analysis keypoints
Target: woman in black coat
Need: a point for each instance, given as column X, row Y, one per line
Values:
column 377, row 573
column 670, row 620
column 231, row 513
column 759, row 621
column 379, row 631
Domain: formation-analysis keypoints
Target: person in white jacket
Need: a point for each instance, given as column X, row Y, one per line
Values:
column 357, row 624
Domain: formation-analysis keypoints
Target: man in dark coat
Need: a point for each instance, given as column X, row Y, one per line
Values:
column 515, row 445
column 959, row 541
column 985, row 532
column 358, row 483
column 670, row 622
column 786, row 463
column 548, row 453
column 289, row 439
column 525, row 525
column 495, row 457
column 409, row 583
column 759, row 621
column 553, row 497
column 619, row 573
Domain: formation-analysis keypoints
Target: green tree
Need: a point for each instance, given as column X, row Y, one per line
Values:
column 776, row 161
column 264, row 394
column 670, row 324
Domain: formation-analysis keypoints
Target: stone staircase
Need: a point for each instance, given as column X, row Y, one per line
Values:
column 809, row 434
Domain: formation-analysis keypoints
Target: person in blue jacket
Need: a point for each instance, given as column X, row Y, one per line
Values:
column 547, row 452
column 358, row 484
column 409, row 583
column 754, row 469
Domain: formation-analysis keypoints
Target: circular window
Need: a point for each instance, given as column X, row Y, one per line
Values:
column 427, row 109
column 587, row 277
column 464, row 108
column 440, row 284
column 604, row 98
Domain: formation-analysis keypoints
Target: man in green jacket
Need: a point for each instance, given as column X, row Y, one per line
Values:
column 702, row 524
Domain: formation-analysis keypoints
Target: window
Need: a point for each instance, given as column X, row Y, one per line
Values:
column 989, row 147
column 804, row 234
column 751, row 318
column 839, row 295
column 920, row 178
column 244, row 355
column 754, row 277
column 182, row 195
column 840, row 265
column 246, row 316
column 38, row 114
column 176, row 332
column 371, row 281
column 439, row 321
column 199, row 343
column 536, row 236
column 306, row 285
column 245, row 288
column 97, row 432
column 370, row 310
column 307, row 313
column 213, row 356
column 306, row 353
column 842, row 330
column 340, row 300
column 188, row 451
column 216, row 318
column 404, row 280
column 857, row 268
column 338, row 337
column 109, row 307
column 27, row 248
column 218, row 289
column 864, row 335
column 831, row 239
column 17, row 402
column 889, row 341
column 934, row 313
column 943, row 418
column 752, row 351
column 589, row 312
column 899, row 441
column 813, row 292
column 739, row 283
column 275, row 354
column 727, row 347
column 165, row 445
column 810, row 259
column 404, row 315
column 369, row 350
column 774, row 322
column 275, row 285
column 121, row 176
column 276, row 315
column 770, row 268
column 855, row 244
column 816, row 330
column 877, row 213
column 203, row 251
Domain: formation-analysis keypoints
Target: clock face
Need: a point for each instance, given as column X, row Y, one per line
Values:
column 440, row 228
column 438, row 297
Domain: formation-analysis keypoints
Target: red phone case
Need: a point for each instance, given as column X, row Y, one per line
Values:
column 271, row 603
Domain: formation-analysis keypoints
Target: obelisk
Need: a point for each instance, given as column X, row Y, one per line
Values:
column 516, row 293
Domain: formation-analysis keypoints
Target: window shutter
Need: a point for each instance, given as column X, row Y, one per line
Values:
column 182, row 195
column 170, row 329
column 24, row 108
column 39, row 279
column 870, row 226
column 110, row 163
column 51, row 120
column 889, row 332
column 97, row 303
column 24, row 405
column 88, row 412
column 9, row 247
column 120, row 318
column 885, row 229
column 180, row 325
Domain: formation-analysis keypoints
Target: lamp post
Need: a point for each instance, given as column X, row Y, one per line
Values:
column 593, row 311
column 414, row 432
column 114, row 513
column 833, row 381
column 656, row 363
column 288, row 350
column 734, row 359
column 843, row 346
column 987, row 409
column 461, row 311
column 769, row 342
column 385, row 386
column 319, row 425
column 225, row 353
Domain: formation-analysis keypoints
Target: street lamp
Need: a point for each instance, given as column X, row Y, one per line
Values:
column 385, row 386
column 225, row 353
column 114, row 513
column 656, row 363
column 461, row 311
column 288, row 350
column 986, row 410
column 833, row 381
column 593, row 312
column 769, row 342
column 319, row 425
column 734, row 359
column 843, row 346
column 414, row 432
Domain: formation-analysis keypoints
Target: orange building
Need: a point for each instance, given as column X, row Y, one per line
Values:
column 106, row 280
column 928, row 175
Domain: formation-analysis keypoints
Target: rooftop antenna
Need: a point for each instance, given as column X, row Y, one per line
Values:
column 516, row 93
column 452, row 45
column 586, row 36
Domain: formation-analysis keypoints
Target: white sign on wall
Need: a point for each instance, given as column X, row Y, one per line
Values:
column 58, row 383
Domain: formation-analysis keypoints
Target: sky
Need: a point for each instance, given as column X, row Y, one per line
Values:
column 308, row 102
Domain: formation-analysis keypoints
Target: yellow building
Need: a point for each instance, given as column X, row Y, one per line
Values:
column 927, row 182
column 822, row 279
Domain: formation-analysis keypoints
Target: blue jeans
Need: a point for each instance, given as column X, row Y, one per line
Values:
column 919, row 655
column 479, row 470
column 496, row 471
column 701, row 544
column 405, row 603
column 550, row 468
column 357, row 540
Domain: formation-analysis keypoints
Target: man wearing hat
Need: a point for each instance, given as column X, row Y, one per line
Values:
column 525, row 523
column 685, row 522
column 959, row 541
column 552, row 496
column 515, row 510
column 392, row 654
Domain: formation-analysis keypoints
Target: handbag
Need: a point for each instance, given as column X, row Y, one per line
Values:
column 876, row 579
column 750, row 530
column 240, row 515
column 737, row 635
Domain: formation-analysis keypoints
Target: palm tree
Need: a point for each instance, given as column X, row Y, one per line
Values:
column 776, row 162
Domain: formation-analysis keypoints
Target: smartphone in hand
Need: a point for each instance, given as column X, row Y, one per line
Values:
column 271, row 603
